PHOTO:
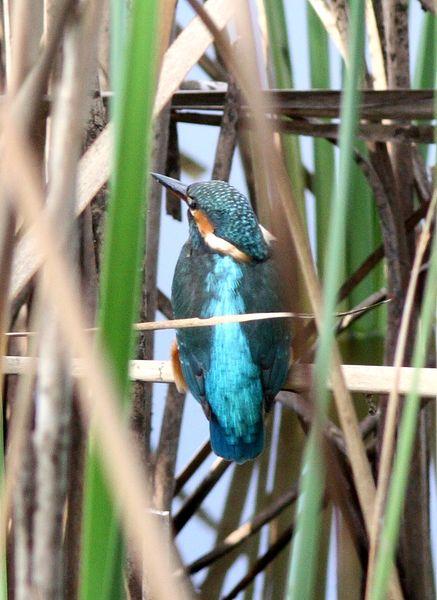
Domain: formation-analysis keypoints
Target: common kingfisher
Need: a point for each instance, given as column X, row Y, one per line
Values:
column 235, row 369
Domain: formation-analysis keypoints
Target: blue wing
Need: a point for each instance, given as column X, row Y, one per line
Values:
column 187, row 301
column 270, row 340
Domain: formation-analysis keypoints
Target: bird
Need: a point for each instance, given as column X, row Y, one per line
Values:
column 233, row 370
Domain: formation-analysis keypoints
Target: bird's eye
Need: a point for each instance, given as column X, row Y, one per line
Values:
column 193, row 205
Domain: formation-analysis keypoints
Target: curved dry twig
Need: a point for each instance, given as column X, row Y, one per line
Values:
column 212, row 321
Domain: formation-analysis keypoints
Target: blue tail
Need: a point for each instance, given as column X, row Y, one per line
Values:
column 235, row 449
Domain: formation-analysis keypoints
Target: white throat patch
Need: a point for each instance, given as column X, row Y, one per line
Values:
column 218, row 244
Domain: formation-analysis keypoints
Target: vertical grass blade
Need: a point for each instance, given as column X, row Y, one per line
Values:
column 283, row 77
column 425, row 74
column 324, row 163
column 363, row 233
column 124, row 242
column 118, row 44
column 407, row 431
column 304, row 553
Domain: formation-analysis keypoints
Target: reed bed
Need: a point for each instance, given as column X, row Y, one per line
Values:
column 95, row 501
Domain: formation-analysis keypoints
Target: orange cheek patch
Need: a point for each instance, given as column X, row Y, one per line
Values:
column 204, row 225
column 179, row 379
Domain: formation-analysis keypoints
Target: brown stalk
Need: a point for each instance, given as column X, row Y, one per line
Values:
column 196, row 498
column 190, row 469
column 202, row 514
column 51, row 440
column 76, row 461
column 7, row 226
column 23, row 39
column 371, row 132
column 165, row 462
column 374, row 105
column 393, row 229
column 73, row 526
column 142, row 393
column 391, row 417
column 212, row 68
column 164, row 305
column 19, row 41
column 286, row 437
column 19, row 485
column 288, row 443
column 228, row 134
column 173, row 169
column 423, row 185
column 119, row 456
column 103, row 51
column 24, row 506
column 395, row 16
column 52, row 436
column 98, row 120
column 35, row 85
column 416, row 571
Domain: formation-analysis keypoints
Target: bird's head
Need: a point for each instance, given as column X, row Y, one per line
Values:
column 221, row 217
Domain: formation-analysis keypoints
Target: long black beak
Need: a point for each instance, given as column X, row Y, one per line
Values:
column 175, row 186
